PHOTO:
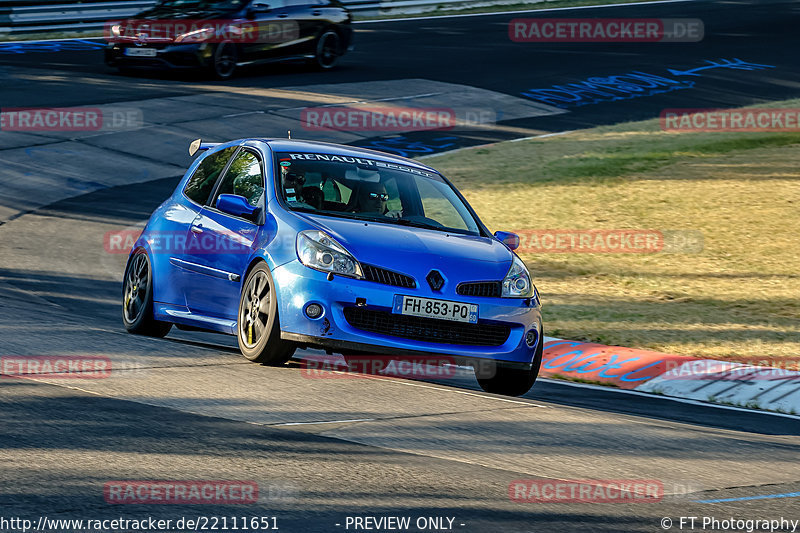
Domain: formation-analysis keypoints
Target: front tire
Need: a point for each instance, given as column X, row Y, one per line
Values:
column 137, row 298
column 513, row 381
column 258, row 327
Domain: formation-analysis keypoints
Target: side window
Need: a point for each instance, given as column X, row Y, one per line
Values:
column 244, row 178
column 200, row 185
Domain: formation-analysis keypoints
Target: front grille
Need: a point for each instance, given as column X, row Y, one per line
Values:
column 480, row 288
column 426, row 329
column 387, row 277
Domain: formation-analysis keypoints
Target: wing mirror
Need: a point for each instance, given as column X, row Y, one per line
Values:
column 509, row 239
column 238, row 206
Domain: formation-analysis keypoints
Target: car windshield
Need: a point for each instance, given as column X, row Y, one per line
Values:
column 367, row 189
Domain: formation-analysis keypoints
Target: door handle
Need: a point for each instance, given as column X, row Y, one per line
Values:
column 283, row 16
column 316, row 13
column 197, row 229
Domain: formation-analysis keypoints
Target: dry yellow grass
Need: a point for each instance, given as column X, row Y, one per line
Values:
column 739, row 297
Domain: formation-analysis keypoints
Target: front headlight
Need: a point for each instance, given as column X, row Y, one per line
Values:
column 517, row 283
column 318, row 250
column 195, row 36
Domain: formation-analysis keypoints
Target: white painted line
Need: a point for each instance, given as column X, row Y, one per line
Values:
column 520, row 11
column 668, row 398
column 325, row 422
column 243, row 114
column 544, row 136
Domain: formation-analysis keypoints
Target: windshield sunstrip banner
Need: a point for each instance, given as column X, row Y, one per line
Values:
column 360, row 161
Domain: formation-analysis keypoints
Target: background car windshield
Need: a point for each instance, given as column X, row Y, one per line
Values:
column 370, row 190
column 215, row 4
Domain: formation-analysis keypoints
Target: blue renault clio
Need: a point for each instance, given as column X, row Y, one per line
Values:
column 294, row 244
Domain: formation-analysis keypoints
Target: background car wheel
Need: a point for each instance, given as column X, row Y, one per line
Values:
column 137, row 298
column 513, row 381
column 258, row 327
column 328, row 50
column 223, row 64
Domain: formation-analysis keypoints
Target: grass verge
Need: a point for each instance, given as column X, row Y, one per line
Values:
column 740, row 296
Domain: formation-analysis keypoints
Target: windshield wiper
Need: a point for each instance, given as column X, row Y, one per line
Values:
column 406, row 222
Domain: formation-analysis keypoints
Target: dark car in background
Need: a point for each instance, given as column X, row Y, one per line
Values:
column 221, row 36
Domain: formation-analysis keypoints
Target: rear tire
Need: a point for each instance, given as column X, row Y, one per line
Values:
column 223, row 63
column 137, row 298
column 513, row 381
column 327, row 50
column 258, row 327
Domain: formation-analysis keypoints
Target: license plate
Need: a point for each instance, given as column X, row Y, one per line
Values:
column 140, row 52
column 431, row 308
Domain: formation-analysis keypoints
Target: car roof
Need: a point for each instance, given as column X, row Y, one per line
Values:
column 288, row 145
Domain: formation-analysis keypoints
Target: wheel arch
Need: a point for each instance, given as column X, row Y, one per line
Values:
column 155, row 280
column 271, row 265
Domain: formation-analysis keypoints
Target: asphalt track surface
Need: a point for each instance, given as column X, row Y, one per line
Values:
column 191, row 408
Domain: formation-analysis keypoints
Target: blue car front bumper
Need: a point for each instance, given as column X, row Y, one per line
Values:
column 298, row 286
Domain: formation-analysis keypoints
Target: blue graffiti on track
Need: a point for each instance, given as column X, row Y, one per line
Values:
column 23, row 47
column 407, row 148
column 734, row 64
column 577, row 362
column 635, row 84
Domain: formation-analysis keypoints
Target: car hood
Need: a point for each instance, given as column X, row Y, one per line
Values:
column 417, row 250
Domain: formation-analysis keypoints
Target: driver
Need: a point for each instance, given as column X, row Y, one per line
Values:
column 293, row 181
column 372, row 198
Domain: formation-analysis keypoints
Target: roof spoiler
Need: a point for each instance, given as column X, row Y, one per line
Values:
column 198, row 145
